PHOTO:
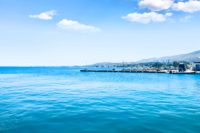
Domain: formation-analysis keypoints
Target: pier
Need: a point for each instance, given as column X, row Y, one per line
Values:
column 122, row 71
column 139, row 71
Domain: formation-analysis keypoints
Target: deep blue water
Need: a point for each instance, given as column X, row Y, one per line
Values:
column 64, row 100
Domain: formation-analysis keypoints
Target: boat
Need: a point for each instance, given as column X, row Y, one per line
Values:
column 182, row 72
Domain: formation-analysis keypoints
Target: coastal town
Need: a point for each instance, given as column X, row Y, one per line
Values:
column 156, row 67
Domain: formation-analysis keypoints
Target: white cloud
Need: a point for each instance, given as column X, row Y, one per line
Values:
column 189, row 6
column 146, row 18
column 48, row 15
column 75, row 25
column 169, row 14
column 156, row 5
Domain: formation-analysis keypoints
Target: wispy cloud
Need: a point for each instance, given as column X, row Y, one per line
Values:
column 186, row 18
column 147, row 17
column 48, row 15
column 189, row 6
column 75, row 25
column 156, row 5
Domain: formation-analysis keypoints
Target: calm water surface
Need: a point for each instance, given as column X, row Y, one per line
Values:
column 64, row 100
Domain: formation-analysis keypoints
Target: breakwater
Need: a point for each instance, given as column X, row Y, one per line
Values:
column 140, row 71
column 122, row 71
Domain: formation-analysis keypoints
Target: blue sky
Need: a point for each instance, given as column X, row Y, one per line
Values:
column 77, row 32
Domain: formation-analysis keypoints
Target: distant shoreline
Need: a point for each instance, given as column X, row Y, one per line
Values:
column 135, row 71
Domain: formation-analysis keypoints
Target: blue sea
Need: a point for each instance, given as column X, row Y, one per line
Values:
column 65, row 100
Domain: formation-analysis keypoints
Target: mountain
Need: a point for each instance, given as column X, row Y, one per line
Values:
column 106, row 64
column 189, row 57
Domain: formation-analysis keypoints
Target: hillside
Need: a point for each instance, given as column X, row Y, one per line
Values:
column 189, row 57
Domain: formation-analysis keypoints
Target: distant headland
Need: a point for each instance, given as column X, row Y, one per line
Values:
column 179, row 64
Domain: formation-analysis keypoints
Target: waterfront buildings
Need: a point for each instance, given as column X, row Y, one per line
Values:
column 197, row 66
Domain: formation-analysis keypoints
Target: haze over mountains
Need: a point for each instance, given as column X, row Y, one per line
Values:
column 189, row 57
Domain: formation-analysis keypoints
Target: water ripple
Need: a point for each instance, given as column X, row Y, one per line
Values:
column 65, row 100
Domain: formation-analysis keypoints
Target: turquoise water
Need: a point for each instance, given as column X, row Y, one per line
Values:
column 64, row 100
